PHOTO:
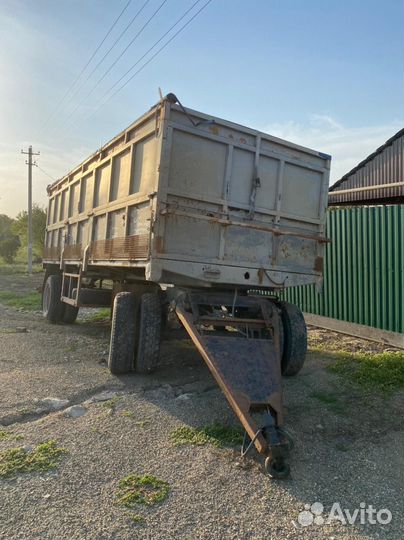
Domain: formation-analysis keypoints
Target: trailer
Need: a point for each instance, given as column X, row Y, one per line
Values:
column 186, row 213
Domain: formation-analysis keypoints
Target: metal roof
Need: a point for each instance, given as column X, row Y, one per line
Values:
column 378, row 179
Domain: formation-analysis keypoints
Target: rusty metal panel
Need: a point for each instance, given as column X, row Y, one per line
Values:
column 363, row 269
column 382, row 167
column 129, row 247
column 73, row 252
column 250, row 366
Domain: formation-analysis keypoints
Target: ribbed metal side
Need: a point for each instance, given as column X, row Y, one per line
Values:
column 384, row 166
column 363, row 270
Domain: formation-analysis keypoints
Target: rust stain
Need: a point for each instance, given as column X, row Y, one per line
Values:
column 318, row 264
column 260, row 273
column 159, row 244
column 214, row 130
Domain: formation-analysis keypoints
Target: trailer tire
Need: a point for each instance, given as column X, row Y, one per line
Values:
column 293, row 339
column 69, row 313
column 122, row 344
column 52, row 305
column 148, row 333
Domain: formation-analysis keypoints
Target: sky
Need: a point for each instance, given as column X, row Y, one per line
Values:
column 327, row 74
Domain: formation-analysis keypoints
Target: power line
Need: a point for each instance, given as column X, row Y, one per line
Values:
column 119, row 37
column 47, row 174
column 117, row 59
column 151, row 58
column 105, row 56
column 85, row 66
column 131, row 42
column 152, row 47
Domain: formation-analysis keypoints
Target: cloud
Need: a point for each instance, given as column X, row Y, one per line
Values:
column 347, row 145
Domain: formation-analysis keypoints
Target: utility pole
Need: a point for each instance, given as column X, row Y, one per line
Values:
column 30, row 163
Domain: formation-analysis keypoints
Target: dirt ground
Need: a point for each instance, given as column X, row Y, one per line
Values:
column 348, row 446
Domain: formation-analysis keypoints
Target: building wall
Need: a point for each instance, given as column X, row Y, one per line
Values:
column 363, row 269
column 384, row 166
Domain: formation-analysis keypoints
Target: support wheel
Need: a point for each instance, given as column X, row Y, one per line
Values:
column 288, row 438
column 122, row 344
column 277, row 469
column 52, row 305
column 148, row 333
column 293, row 339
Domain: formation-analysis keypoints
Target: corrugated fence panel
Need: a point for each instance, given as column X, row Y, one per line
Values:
column 363, row 269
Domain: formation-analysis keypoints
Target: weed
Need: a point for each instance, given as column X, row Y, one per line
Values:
column 43, row 457
column 128, row 414
column 215, row 434
column 372, row 372
column 136, row 518
column 142, row 423
column 30, row 301
column 111, row 403
column 10, row 436
column 146, row 489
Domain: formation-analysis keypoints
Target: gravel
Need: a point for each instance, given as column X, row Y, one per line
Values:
column 348, row 457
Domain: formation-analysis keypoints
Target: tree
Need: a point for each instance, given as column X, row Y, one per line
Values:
column 9, row 241
column 20, row 227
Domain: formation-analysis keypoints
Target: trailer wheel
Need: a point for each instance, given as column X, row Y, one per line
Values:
column 148, row 333
column 293, row 339
column 122, row 344
column 52, row 305
column 69, row 313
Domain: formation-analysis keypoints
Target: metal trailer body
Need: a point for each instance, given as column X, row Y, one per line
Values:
column 190, row 213
column 192, row 200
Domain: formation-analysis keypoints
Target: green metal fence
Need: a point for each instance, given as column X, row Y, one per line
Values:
column 363, row 269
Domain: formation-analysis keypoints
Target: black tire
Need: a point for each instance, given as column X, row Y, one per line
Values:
column 278, row 470
column 52, row 305
column 148, row 333
column 122, row 344
column 293, row 339
column 69, row 313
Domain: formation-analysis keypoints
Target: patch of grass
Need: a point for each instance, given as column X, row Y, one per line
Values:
column 136, row 518
column 215, row 434
column 30, row 301
column 133, row 416
column 331, row 401
column 148, row 490
column 44, row 457
column 372, row 372
column 16, row 268
column 111, row 403
column 99, row 315
column 128, row 414
column 341, row 447
column 328, row 399
column 10, row 436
